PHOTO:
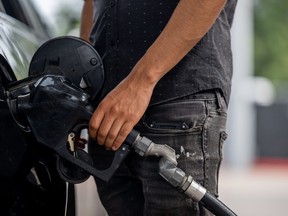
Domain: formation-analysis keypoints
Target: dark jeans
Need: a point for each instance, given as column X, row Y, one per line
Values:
column 195, row 127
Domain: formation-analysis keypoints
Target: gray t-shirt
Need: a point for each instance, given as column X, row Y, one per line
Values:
column 124, row 30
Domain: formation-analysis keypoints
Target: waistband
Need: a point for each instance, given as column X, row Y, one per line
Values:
column 209, row 94
column 206, row 94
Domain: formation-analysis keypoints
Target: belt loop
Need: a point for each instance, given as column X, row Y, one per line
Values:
column 219, row 99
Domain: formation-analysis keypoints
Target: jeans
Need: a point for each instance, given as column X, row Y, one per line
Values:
column 195, row 127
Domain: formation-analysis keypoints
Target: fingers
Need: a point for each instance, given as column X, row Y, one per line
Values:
column 108, row 129
column 112, row 138
column 104, row 132
column 122, row 135
column 95, row 122
column 112, row 134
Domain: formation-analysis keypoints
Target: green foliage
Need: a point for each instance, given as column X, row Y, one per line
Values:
column 271, row 39
column 68, row 17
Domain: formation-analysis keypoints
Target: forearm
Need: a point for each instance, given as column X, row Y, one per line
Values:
column 190, row 21
column 86, row 20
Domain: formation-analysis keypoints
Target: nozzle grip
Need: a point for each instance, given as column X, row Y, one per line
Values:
column 132, row 137
column 104, row 175
column 118, row 158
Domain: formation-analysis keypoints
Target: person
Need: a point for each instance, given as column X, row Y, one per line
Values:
column 168, row 67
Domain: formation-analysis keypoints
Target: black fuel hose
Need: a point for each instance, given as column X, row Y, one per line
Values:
column 215, row 205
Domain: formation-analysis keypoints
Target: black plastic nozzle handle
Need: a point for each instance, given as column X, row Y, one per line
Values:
column 132, row 137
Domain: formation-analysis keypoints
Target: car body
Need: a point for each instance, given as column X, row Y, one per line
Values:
column 22, row 32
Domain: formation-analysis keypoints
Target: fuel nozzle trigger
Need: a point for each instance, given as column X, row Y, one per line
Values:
column 74, row 163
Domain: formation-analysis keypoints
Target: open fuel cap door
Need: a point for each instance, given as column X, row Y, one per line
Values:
column 73, row 58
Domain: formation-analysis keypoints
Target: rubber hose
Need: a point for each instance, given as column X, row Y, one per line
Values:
column 215, row 205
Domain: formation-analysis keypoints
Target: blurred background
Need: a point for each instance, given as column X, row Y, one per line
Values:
column 254, row 179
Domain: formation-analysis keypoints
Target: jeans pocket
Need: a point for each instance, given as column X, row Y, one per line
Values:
column 177, row 117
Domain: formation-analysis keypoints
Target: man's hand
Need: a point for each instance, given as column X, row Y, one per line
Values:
column 119, row 112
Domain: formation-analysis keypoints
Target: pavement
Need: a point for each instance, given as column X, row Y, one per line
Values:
column 258, row 191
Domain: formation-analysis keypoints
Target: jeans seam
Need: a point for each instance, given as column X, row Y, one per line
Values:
column 204, row 144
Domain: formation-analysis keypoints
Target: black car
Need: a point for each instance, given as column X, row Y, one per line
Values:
column 21, row 191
